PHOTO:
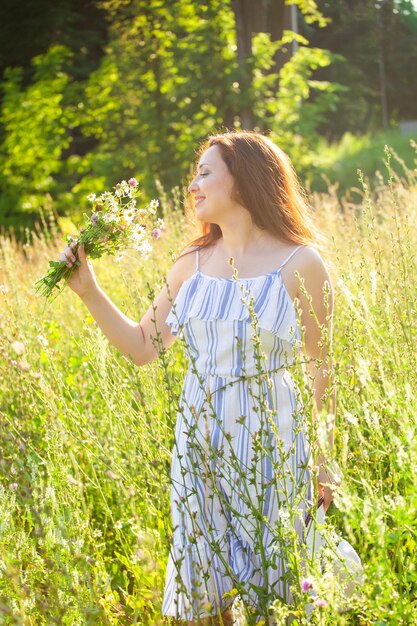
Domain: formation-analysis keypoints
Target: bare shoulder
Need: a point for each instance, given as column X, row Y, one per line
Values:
column 310, row 264
column 183, row 267
column 308, row 256
column 307, row 267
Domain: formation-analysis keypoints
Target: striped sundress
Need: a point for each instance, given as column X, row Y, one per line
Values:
column 239, row 419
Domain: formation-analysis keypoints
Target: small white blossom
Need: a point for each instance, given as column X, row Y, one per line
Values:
column 143, row 246
column 43, row 341
column 111, row 218
column 129, row 215
column 153, row 206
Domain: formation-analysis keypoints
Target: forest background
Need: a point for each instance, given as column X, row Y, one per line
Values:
column 94, row 91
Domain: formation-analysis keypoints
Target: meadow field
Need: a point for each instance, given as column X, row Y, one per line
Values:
column 86, row 437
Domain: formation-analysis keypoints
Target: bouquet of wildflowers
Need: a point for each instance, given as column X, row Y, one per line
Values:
column 115, row 224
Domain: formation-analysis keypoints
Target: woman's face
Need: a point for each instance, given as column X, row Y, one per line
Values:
column 212, row 187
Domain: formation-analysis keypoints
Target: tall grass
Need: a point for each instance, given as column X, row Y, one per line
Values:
column 86, row 438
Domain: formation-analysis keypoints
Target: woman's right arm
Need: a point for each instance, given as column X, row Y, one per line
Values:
column 133, row 339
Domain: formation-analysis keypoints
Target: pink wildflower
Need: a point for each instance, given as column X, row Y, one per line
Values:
column 18, row 347
column 306, row 584
column 13, row 486
column 156, row 233
column 94, row 219
column 133, row 182
column 319, row 603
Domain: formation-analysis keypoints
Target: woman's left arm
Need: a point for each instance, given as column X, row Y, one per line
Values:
column 315, row 296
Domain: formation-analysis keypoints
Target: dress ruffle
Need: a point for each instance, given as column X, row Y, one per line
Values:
column 209, row 298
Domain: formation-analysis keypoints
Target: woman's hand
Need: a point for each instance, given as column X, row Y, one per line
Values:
column 328, row 480
column 327, row 493
column 83, row 279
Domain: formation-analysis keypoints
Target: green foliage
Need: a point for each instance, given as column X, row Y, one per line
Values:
column 311, row 12
column 168, row 77
column 377, row 41
column 149, row 96
column 337, row 164
column 35, row 122
column 81, row 114
column 302, row 104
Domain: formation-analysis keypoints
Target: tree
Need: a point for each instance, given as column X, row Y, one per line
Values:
column 170, row 75
column 373, row 38
column 35, row 123
column 28, row 28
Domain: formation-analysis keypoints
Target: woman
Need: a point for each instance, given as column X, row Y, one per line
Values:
column 241, row 451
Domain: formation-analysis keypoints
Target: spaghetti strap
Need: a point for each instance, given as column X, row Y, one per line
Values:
column 289, row 256
column 197, row 256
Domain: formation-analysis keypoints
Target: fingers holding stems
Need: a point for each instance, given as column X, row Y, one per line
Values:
column 68, row 256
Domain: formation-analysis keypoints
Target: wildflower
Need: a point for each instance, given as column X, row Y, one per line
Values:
column 129, row 215
column 306, row 584
column 284, row 517
column 153, row 206
column 18, row 347
column 142, row 213
column 319, row 603
column 13, row 486
column 23, row 365
column 114, row 218
column 112, row 475
column 230, row 594
column 138, row 556
column 111, row 218
column 145, row 248
column 351, row 419
column 42, row 341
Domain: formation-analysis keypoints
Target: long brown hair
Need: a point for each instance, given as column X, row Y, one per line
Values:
column 266, row 184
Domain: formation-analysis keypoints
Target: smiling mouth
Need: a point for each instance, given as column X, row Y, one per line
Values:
column 197, row 200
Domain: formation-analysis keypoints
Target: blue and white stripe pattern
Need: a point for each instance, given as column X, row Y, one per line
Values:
column 234, row 428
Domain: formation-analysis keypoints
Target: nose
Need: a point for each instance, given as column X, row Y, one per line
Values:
column 192, row 186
